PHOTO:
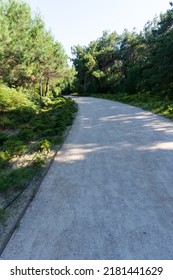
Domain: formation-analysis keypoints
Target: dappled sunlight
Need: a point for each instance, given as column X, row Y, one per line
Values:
column 74, row 152
column 127, row 117
column 157, row 146
column 158, row 126
column 88, row 127
column 119, row 131
column 145, row 120
column 85, row 119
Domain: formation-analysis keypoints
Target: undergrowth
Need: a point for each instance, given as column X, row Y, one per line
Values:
column 29, row 129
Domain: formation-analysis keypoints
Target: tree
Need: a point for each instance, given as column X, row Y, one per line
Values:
column 15, row 22
column 132, row 50
column 29, row 55
column 131, row 62
column 158, row 67
column 97, row 65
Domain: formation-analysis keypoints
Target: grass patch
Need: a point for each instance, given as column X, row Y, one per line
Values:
column 156, row 103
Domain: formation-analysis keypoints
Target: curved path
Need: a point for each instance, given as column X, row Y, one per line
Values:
column 109, row 192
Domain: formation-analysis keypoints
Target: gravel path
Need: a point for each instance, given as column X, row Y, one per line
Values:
column 109, row 192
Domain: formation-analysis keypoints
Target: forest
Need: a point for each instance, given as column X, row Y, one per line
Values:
column 134, row 67
column 131, row 62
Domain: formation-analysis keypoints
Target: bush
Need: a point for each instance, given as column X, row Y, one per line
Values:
column 26, row 134
column 22, row 115
column 170, row 109
column 11, row 99
column 3, row 138
column 39, row 161
column 16, row 179
column 15, row 147
column 43, row 146
column 4, row 158
column 45, row 124
column 5, row 122
column 46, row 101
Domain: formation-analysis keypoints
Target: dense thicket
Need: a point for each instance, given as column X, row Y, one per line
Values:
column 29, row 55
column 132, row 62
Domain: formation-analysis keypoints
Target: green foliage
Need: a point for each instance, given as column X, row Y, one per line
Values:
column 98, row 65
column 132, row 62
column 3, row 138
column 26, row 134
column 11, row 99
column 39, row 161
column 46, row 101
column 15, row 179
column 45, row 127
column 4, row 158
column 30, row 57
column 15, row 147
column 23, row 115
column 6, row 122
column 170, row 109
column 43, row 146
column 33, row 74
column 53, row 118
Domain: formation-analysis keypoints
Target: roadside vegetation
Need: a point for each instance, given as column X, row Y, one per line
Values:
column 30, row 133
column 34, row 116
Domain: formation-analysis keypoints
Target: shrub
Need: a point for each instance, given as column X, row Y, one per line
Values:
column 3, row 138
column 46, row 121
column 22, row 115
column 46, row 101
column 26, row 134
column 11, row 99
column 170, row 109
column 15, row 179
column 43, row 146
column 15, row 147
column 4, row 158
column 39, row 161
column 5, row 122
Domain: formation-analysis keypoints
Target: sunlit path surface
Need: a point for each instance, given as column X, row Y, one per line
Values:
column 109, row 192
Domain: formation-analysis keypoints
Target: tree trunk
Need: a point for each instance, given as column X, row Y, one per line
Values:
column 41, row 88
column 85, row 85
column 47, row 86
